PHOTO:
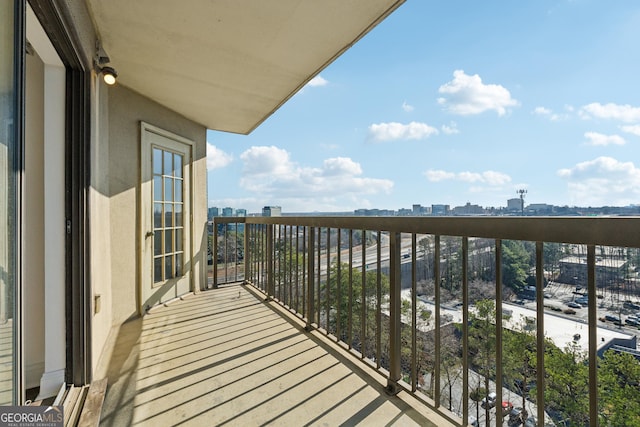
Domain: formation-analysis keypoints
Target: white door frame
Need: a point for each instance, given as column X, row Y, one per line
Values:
column 144, row 220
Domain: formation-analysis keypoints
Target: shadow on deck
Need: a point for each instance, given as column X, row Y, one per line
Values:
column 225, row 357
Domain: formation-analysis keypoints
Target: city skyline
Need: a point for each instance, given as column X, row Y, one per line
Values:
column 455, row 103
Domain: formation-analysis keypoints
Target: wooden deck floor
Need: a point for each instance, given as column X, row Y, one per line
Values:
column 225, row 357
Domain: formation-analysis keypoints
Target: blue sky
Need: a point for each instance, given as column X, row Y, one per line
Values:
column 449, row 102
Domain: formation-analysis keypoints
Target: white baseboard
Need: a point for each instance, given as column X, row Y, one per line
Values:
column 33, row 373
column 50, row 384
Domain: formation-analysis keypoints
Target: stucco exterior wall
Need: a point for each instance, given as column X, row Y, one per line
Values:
column 100, row 229
column 126, row 110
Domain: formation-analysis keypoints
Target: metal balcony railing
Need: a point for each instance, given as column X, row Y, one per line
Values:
column 429, row 302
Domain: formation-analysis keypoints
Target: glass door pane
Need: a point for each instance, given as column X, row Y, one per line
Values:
column 9, row 322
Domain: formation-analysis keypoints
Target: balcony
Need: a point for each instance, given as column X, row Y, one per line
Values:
column 287, row 333
column 227, row 357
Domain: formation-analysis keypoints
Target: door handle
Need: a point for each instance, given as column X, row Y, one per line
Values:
column 149, row 234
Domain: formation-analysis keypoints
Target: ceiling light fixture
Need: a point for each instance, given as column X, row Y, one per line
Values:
column 109, row 74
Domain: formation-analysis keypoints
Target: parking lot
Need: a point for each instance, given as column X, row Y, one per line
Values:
column 561, row 299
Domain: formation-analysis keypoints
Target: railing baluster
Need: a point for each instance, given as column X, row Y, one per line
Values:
column 297, row 281
column 498, row 347
column 593, row 337
column 379, row 300
column 465, row 330
column 270, row 261
column 326, row 286
column 395, row 325
column 319, row 268
column 235, row 250
column 540, row 344
column 350, row 303
column 414, row 317
column 246, row 254
column 363, row 297
column 214, row 254
column 310, row 300
column 305, row 271
column 438, row 337
column 339, row 286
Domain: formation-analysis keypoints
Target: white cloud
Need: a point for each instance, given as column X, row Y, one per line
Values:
column 270, row 172
column 546, row 112
column 264, row 160
column 466, row 95
column 317, row 81
column 451, row 129
column 542, row 111
column 439, row 175
column 341, row 166
column 624, row 113
column 595, row 138
column 216, row 158
column 603, row 181
column 632, row 129
column 394, row 131
column 406, row 107
column 491, row 178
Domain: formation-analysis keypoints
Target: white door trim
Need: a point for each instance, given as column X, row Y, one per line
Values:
column 145, row 191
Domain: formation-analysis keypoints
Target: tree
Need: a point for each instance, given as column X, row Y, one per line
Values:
column 477, row 394
column 567, row 383
column 347, row 299
column 619, row 389
column 519, row 360
column 482, row 342
column 516, row 263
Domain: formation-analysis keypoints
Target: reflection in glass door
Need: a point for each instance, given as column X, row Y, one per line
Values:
column 10, row 43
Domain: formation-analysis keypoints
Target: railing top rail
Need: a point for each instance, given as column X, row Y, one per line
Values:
column 608, row 231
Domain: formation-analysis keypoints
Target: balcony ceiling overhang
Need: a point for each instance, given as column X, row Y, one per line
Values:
column 228, row 64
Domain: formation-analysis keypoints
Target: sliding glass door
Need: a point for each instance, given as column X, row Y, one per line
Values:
column 11, row 62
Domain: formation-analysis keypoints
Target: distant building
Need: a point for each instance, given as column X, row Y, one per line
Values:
column 405, row 212
column 227, row 211
column 211, row 213
column 539, row 208
column 440, row 210
column 419, row 210
column 241, row 213
column 272, row 211
column 514, row 204
column 609, row 271
column 468, row 209
column 373, row 212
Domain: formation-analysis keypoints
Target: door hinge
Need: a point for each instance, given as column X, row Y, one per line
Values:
column 68, row 226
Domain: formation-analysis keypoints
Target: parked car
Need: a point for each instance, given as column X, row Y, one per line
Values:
column 530, row 422
column 632, row 322
column 515, row 416
column 489, row 401
column 527, row 387
column 573, row 304
column 612, row 318
column 582, row 301
column 506, row 407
